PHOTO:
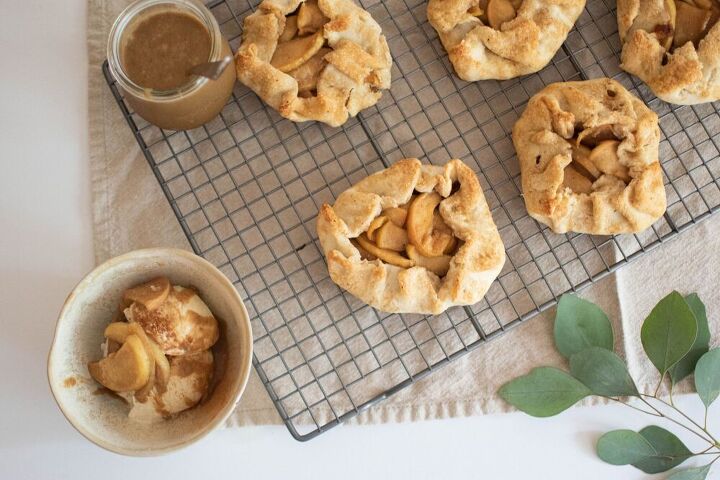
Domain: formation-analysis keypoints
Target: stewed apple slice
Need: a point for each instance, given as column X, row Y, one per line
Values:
column 291, row 29
column 291, row 54
column 310, row 18
column 438, row 265
column 151, row 294
column 126, row 370
column 605, row 158
column 499, row 12
column 388, row 256
column 690, row 24
column 429, row 241
column 391, row 237
column 308, row 73
column 120, row 331
column 396, row 215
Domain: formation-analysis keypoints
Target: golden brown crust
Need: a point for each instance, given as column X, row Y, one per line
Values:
column 544, row 151
column 413, row 290
column 358, row 68
column 521, row 46
column 686, row 76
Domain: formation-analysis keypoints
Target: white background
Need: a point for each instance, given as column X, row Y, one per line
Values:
column 45, row 248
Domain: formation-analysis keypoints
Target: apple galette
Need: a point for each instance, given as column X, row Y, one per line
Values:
column 501, row 39
column 413, row 238
column 588, row 155
column 319, row 60
column 673, row 46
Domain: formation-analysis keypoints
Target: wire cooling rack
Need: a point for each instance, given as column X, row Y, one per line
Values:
column 247, row 187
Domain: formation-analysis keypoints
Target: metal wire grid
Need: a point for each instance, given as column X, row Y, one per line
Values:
column 246, row 189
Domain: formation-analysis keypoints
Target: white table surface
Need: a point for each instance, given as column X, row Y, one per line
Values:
column 45, row 248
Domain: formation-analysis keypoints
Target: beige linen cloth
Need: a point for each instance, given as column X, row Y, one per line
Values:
column 131, row 212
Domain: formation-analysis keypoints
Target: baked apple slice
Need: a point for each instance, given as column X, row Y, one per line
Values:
column 391, row 237
column 429, row 241
column 605, row 158
column 310, row 18
column 388, row 256
column 308, row 73
column 592, row 136
column 576, row 181
column 499, row 12
column 374, row 226
column 438, row 265
column 690, row 24
column 291, row 29
column 293, row 53
column 581, row 155
column 396, row 215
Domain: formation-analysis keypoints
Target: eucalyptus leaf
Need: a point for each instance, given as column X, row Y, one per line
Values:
column 669, row 332
column 544, row 392
column 623, row 447
column 670, row 451
column 603, row 372
column 686, row 365
column 707, row 376
column 580, row 324
column 697, row 473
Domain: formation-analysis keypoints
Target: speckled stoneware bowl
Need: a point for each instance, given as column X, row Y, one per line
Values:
column 103, row 418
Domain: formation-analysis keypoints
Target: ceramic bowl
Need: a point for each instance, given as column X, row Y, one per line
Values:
column 103, row 418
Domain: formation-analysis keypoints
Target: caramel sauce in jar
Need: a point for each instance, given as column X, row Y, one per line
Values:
column 153, row 45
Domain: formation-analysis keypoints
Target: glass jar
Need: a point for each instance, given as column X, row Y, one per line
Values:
column 185, row 107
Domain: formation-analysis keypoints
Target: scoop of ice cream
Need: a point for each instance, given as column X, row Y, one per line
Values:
column 182, row 324
column 190, row 377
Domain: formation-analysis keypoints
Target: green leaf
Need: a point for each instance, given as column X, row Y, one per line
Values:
column 707, row 376
column 603, row 372
column 544, row 392
column 623, row 447
column 697, row 473
column 580, row 324
column 670, row 451
column 686, row 365
column 669, row 332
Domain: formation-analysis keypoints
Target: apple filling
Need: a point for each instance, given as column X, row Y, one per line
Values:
column 678, row 22
column 495, row 12
column 411, row 235
column 135, row 364
column 594, row 153
column 302, row 47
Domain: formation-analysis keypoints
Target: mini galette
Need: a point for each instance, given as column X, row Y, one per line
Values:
column 413, row 238
column 588, row 155
column 673, row 46
column 501, row 39
column 319, row 60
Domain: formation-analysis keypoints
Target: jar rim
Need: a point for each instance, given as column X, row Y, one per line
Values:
column 194, row 7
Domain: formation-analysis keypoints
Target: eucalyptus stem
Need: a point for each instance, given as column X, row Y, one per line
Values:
column 705, row 421
column 657, row 389
column 670, row 392
column 704, row 429
column 708, row 440
column 633, row 406
column 704, row 452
